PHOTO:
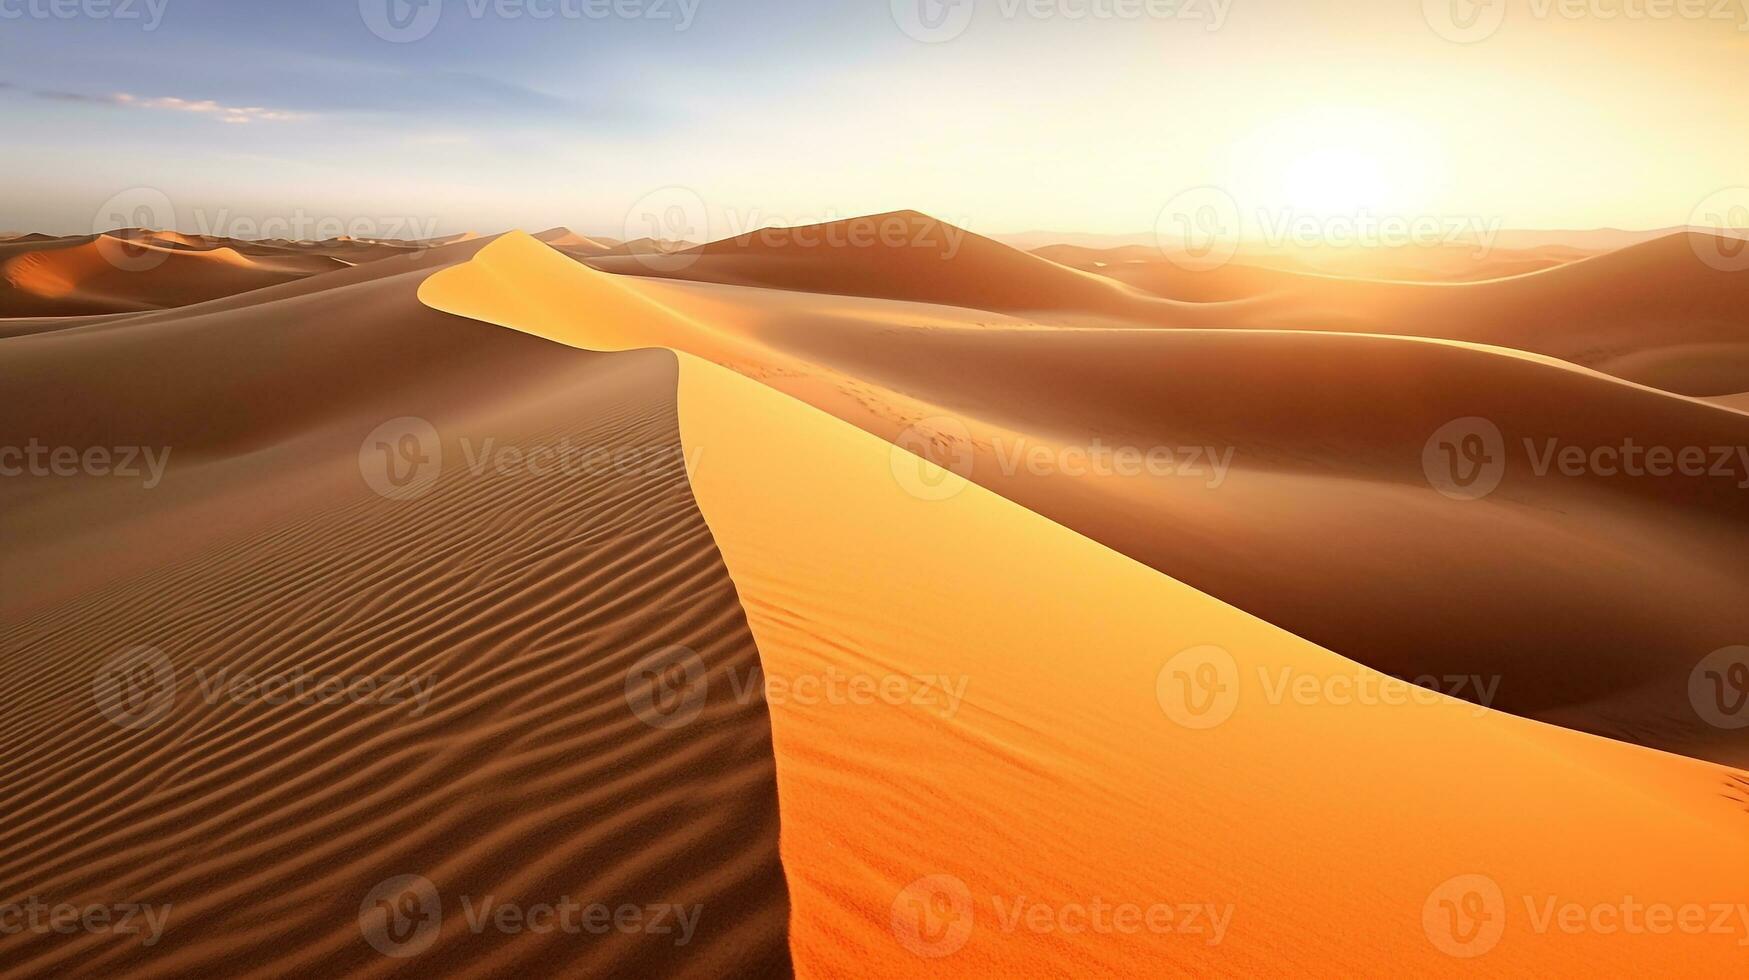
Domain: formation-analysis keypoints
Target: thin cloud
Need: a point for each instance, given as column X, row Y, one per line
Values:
column 233, row 114
column 223, row 113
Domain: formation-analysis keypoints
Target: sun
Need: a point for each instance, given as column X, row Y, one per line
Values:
column 1335, row 162
column 1336, row 180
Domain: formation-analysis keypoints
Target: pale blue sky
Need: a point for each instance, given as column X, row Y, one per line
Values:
column 784, row 111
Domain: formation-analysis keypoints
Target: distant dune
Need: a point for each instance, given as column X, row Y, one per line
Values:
column 903, row 255
column 108, row 275
column 566, row 240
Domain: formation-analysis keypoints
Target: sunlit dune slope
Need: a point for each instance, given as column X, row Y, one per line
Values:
column 1058, row 775
column 1585, row 600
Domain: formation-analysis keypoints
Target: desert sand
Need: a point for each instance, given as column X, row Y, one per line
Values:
column 1578, row 629
column 1059, row 779
column 526, row 777
column 1039, row 750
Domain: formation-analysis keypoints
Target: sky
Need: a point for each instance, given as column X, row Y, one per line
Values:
column 715, row 117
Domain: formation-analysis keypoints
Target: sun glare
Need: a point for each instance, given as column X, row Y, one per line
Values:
column 1335, row 161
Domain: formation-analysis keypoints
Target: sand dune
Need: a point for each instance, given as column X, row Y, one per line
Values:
column 1029, row 745
column 107, row 274
column 1050, row 782
column 645, row 247
column 1654, row 313
column 568, row 241
column 1523, row 588
column 905, row 256
column 529, row 777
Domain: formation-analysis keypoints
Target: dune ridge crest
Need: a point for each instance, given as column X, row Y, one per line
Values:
column 1065, row 732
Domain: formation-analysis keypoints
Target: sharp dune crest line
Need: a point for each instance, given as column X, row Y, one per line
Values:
column 1532, row 586
column 1057, row 776
column 522, row 602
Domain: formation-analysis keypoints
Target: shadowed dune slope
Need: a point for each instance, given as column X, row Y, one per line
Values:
column 1583, row 600
column 523, row 597
column 1042, row 769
